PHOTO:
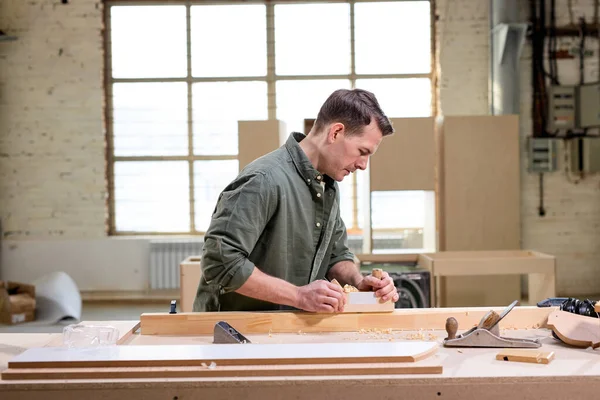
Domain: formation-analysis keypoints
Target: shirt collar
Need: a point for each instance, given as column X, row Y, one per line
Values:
column 302, row 163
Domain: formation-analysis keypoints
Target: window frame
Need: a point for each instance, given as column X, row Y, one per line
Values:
column 270, row 78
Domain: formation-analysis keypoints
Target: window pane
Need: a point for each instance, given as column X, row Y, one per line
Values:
column 300, row 99
column 392, row 37
column 218, row 106
column 152, row 196
column 210, row 178
column 148, row 41
column 229, row 40
column 312, row 39
column 400, row 97
column 348, row 199
column 150, row 119
column 398, row 219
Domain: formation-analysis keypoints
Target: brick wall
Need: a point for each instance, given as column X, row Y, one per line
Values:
column 52, row 168
column 571, row 228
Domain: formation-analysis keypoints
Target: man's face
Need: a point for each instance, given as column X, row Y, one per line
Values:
column 349, row 153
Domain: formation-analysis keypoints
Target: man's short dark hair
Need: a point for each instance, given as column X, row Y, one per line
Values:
column 355, row 109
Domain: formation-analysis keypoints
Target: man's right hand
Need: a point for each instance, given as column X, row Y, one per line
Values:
column 321, row 296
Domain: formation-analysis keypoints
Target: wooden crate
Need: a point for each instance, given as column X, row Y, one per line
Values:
column 189, row 273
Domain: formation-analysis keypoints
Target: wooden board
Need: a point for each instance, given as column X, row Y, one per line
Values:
column 405, row 160
column 189, row 279
column 293, row 322
column 223, row 354
column 526, row 355
column 575, row 330
column 126, row 329
column 366, row 302
column 480, row 202
column 257, row 138
column 223, row 371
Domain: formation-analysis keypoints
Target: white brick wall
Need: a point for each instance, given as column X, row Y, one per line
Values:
column 571, row 228
column 52, row 165
column 52, row 168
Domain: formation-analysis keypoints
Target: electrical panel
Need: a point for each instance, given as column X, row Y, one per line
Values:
column 561, row 107
column 573, row 107
column 584, row 155
column 589, row 105
column 542, row 155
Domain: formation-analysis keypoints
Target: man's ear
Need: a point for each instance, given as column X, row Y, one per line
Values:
column 336, row 131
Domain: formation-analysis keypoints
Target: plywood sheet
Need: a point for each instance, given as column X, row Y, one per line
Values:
column 295, row 322
column 223, row 354
column 224, row 371
column 480, row 202
column 257, row 138
column 406, row 159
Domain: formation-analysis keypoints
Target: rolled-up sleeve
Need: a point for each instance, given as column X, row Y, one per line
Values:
column 242, row 212
column 340, row 251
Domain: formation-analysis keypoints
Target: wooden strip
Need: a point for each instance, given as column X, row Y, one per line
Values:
column 388, row 258
column 292, row 322
column 530, row 356
column 222, row 371
column 597, row 307
column 366, row 302
column 126, row 329
column 575, row 330
column 223, row 354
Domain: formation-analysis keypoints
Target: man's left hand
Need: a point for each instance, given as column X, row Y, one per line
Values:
column 384, row 287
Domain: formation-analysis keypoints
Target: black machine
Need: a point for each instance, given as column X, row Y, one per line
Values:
column 412, row 282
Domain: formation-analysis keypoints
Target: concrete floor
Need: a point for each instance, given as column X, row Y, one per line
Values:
column 93, row 311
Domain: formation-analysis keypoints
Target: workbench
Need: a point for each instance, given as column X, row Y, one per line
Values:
column 468, row 373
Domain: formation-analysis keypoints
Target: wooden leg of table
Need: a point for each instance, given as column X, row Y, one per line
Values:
column 541, row 286
column 438, row 291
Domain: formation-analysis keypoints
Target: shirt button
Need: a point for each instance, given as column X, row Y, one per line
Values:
column 318, row 224
column 318, row 194
column 318, row 177
column 308, row 181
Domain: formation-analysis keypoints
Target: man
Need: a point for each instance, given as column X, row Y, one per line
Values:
column 276, row 233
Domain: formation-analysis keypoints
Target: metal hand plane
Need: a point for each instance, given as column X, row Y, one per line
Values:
column 486, row 333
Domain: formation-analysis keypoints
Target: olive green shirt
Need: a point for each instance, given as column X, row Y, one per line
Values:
column 276, row 215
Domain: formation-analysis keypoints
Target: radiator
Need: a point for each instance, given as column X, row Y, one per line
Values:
column 165, row 257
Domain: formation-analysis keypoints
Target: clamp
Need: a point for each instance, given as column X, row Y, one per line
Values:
column 486, row 333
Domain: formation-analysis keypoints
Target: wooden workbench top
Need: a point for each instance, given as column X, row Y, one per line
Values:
column 476, row 371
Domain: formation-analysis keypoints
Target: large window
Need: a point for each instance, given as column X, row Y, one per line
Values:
column 181, row 74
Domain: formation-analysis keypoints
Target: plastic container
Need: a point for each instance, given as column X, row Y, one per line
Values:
column 80, row 335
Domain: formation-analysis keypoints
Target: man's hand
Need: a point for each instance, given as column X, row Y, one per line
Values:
column 321, row 296
column 384, row 287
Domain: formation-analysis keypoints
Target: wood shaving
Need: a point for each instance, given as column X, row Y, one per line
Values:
column 212, row 365
column 349, row 288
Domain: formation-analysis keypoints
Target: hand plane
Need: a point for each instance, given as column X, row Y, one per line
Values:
column 486, row 333
column 225, row 333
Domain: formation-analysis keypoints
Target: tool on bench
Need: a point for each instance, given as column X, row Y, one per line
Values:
column 486, row 333
column 225, row 333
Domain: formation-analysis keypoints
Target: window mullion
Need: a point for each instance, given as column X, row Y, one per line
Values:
column 271, row 78
column 190, row 111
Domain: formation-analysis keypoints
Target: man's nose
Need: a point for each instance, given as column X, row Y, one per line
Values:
column 362, row 163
